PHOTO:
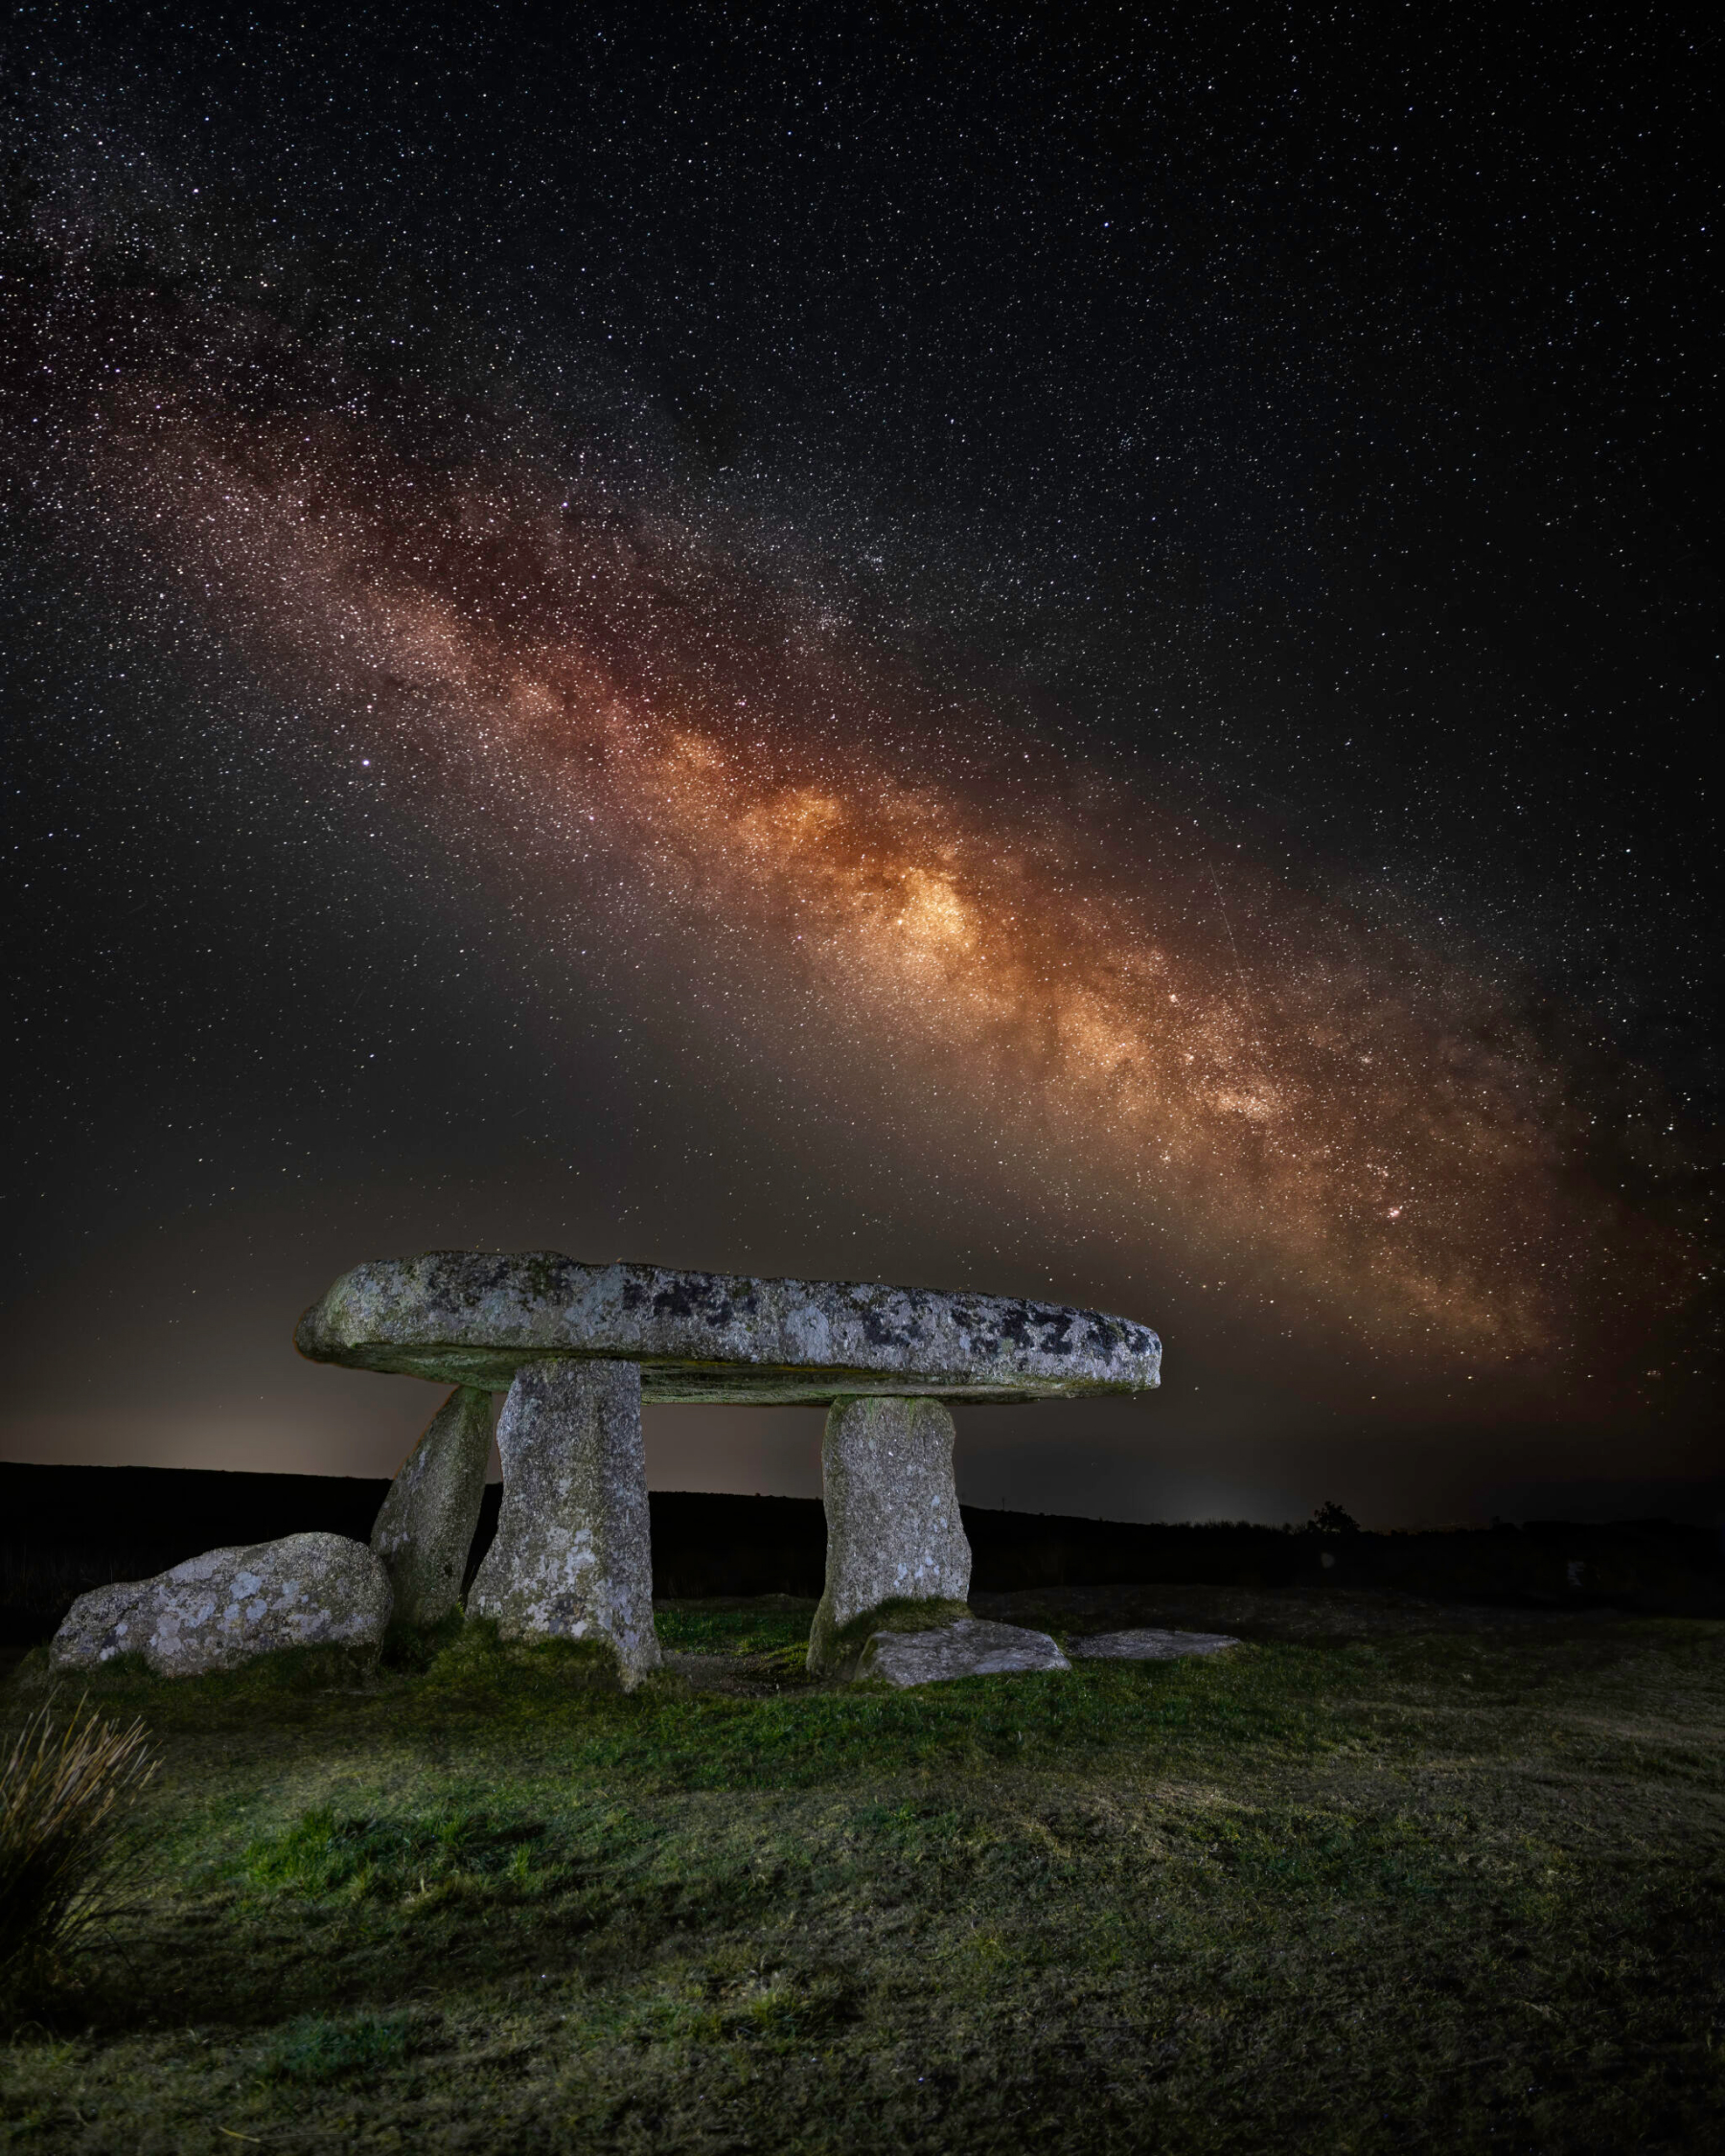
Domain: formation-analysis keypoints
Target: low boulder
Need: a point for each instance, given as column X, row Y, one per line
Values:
column 1147, row 1644
column 229, row 1606
column 969, row 1647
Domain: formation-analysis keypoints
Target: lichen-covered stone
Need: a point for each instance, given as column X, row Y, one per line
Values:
column 893, row 1530
column 573, row 1558
column 474, row 1317
column 229, row 1606
column 424, row 1528
column 1147, row 1644
column 972, row 1647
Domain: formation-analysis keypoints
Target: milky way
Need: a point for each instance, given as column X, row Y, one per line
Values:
column 632, row 736
column 888, row 653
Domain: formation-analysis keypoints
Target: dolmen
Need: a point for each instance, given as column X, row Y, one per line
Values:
column 578, row 1348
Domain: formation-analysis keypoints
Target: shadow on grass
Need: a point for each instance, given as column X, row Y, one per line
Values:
column 352, row 1910
column 1370, row 1895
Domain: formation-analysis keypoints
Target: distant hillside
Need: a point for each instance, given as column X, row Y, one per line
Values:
column 65, row 1530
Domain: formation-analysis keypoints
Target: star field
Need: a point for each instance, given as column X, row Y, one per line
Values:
column 1088, row 656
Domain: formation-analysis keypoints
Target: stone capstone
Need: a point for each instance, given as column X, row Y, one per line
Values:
column 893, row 1530
column 474, row 1317
column 572, row 1558
column 229, row 1606
column 970, row 1647
column 424, row 1528
column 1147, row 1646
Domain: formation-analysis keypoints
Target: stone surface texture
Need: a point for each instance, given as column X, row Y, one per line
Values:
column 573, row 1558
column 227, row 1607
column 1148, row 1644
column 972, row 1647
column 424, row 1528
column 893, row 1530
column 474, row 1317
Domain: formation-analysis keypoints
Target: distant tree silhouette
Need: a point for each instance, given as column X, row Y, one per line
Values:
column 1331, row 1519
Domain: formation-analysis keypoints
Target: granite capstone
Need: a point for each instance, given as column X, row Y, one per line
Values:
column 472, row 1318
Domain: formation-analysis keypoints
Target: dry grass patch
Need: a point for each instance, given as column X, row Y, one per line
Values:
column 67, row 1790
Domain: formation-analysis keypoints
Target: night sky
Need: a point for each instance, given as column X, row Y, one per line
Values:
column 893, row 643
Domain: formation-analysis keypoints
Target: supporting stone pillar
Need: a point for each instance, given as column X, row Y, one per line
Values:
column 894, row 1530
column 424, row 1529
column 573, row 1558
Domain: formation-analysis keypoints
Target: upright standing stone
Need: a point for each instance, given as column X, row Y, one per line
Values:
column 426, row 1527
column 573, row 1559
column 894, row 1530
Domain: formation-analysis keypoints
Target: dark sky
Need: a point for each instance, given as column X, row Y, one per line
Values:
column 884, row 642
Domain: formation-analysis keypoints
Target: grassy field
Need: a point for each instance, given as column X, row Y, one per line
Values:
column 1383, row 1878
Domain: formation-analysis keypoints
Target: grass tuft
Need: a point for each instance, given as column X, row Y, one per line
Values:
column 66, row 1790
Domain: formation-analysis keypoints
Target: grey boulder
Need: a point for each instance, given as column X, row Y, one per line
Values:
column 1148, row 1644
column 969, row 1647
column 229, row 1606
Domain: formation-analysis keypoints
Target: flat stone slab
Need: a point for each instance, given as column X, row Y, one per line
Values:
column 471, row 1318
column 970, row 1647
column 222, row 1609
column 1147, row 1646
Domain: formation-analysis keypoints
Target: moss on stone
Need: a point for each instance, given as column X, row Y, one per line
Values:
column 833, row 1649
column 477, row 1652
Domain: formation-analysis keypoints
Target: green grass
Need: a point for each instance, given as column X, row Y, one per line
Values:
column 319, row 2049
column 736, row 1628
column 1449, row 1889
